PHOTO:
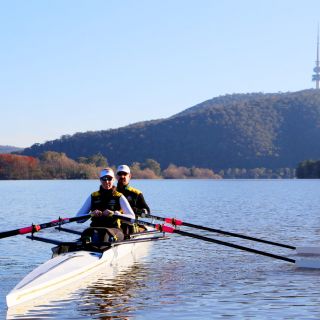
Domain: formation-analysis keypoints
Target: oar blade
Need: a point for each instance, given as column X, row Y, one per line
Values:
column 308, row 250
column 308, row 263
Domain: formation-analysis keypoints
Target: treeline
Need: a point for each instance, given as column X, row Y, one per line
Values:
column 258, row 173
column 151, row 170
column 309, row 169
column 55, row 165
column 50, row 165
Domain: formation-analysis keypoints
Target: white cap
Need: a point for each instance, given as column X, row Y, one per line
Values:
column 107, row 172
column 123, row 168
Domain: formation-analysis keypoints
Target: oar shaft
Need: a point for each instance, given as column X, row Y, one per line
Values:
column 15, row 232
column 38, row 227
column 240, row 236
column 10, row 233
column 168, row 229
column 232, row 234
column 235, row 246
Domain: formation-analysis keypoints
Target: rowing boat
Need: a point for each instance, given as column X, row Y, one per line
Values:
column 73, row 265
column 69, row 267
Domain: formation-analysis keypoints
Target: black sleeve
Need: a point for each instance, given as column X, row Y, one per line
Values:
column 141, row 203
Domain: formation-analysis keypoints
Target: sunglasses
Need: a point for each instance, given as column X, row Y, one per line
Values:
column 122, row 173
column 106, row 178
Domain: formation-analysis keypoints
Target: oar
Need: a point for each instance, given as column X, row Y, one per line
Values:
column 176, row 222
column 302, row 263
column 37, row 227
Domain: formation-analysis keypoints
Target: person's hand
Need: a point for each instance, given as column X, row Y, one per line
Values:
column 108, row 213
column 143, row 213
column 96, row 213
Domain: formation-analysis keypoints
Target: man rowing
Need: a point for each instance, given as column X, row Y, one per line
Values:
column 106, row 205
column 133, row 195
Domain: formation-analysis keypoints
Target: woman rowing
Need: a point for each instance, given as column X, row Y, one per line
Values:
column 106, row 205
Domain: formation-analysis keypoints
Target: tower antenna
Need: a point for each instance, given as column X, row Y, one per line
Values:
column 316, row 69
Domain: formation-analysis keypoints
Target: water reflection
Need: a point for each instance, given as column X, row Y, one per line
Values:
column 104, row 299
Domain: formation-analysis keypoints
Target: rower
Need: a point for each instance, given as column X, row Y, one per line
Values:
column 133, row 195
column 105, row 205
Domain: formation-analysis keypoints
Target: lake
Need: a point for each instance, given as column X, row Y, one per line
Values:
column 180, row 278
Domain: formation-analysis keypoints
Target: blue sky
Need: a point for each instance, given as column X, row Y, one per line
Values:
column 74, row 66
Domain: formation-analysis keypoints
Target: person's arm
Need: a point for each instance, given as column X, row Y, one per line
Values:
column 126, row 208
column 84, row 210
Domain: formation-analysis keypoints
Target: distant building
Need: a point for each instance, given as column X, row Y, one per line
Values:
column 316, row 69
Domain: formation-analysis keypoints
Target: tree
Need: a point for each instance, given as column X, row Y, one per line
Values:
column 98, row 160
column 308, row 169
column 174, row 172
column 153, row 165
column 18, row 167
column 139, row 171
column 201, row 173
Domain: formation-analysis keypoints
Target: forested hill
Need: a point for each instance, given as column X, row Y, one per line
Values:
column 233, row 131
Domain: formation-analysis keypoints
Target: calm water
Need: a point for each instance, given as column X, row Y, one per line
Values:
column 181, row 278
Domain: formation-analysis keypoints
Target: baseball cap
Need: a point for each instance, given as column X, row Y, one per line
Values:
column 123, row 168
column 107, row 172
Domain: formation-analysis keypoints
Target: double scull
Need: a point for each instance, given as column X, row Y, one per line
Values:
column 69, row 267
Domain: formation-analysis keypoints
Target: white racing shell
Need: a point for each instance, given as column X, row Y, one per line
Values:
column 69, row 267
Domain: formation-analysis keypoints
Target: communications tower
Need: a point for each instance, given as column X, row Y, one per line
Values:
column 316, row 69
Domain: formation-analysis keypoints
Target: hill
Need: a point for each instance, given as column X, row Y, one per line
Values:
column 274, row 130
column 9, row 149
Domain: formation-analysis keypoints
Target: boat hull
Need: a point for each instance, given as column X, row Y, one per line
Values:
column 69, row 267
